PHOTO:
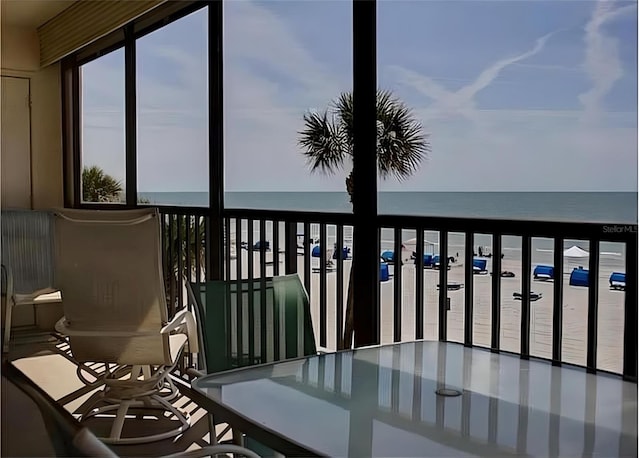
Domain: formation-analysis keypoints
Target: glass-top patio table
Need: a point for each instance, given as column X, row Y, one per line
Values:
column 426, row 398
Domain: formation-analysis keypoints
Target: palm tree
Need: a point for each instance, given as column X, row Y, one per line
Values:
column 97, row 186
column 327, row 142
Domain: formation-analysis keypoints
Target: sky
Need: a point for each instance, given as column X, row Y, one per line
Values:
column 514, row 95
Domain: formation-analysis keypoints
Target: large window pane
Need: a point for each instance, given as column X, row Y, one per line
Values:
column 102, row 129
column 281, row 60
column 172, row 113
column 528, row 105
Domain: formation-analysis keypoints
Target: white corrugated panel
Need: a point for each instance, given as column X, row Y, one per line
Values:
column 84, row 22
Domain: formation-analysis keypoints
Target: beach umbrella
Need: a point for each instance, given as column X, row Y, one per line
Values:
column 576, row 252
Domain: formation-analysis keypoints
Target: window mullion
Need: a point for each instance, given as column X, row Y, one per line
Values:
column 130, row 100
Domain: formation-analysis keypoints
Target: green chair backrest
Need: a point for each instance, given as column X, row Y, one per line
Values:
column 246, row 322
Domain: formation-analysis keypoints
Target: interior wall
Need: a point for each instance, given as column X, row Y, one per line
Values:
column 20, row 56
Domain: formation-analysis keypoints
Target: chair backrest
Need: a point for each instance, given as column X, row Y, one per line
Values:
column 109, row 269
column 251, row 322
column 27, row 249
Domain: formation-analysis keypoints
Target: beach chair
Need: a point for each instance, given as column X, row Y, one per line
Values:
column 579, row 277
column 480, row 266
column 27, row 263
column 618, row 281
column 108, row 267
column 543, row 273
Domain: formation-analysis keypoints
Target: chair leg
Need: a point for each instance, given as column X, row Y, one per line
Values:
column 118, row 422
column 7, row 326
column 151, row 402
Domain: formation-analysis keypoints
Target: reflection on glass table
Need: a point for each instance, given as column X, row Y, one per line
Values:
column 426, row 399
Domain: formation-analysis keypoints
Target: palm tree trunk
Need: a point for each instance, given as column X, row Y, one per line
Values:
column 347, row 339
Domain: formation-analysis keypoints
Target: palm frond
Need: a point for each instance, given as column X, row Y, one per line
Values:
column 401, row 144
column 324, row 142
column 343, row 108
column 97, row 186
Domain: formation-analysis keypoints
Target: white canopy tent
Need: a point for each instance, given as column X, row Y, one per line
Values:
column 576, row 252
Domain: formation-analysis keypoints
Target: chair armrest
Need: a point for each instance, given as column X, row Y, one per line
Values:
column 180, row 320
column 195, row 373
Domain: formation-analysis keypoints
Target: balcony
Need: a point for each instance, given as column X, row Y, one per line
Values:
column 412, row 307
column 547, row 292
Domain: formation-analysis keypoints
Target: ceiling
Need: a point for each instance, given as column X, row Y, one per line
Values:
column 31, row 13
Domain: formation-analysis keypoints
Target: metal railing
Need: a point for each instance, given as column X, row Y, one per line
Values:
column 261, row 243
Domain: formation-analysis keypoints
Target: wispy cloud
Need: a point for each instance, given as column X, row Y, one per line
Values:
column 461, row 102
column 602, row 62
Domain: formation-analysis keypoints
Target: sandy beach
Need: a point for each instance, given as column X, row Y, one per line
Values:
column 610, row 309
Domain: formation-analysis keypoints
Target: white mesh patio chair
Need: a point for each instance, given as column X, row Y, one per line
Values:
column 67, row 437
column 108, row 267
column 27, row 263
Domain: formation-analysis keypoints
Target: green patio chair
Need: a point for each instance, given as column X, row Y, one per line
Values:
column 245, row 322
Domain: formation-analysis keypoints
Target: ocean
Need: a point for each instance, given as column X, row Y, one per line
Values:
column 598, row 207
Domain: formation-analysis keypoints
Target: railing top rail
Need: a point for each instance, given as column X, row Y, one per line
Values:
column 290, row 215
column 614, row 232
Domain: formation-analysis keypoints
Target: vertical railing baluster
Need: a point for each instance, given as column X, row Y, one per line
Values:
column 419, row 262
column 181, row 252
column 250, row 267
column 495, row 292
column 239, row 304
column 558, row 285
column 468, row 288
column 262, row 328
column 227, row 249
column 323, row 284
column 397, row 284
column 238, row 250
column 291, row 247
column 630, row 358
column 207, row 253
column 525, row 318
column 164, row 240
column 198, row 248
column 250, row 302
column 263, row 248
column 443, row 293
column 307, row 259
column 592, row 314
column 189, row 260
column 276, row 248
column 172, row 269
column 339, row 284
